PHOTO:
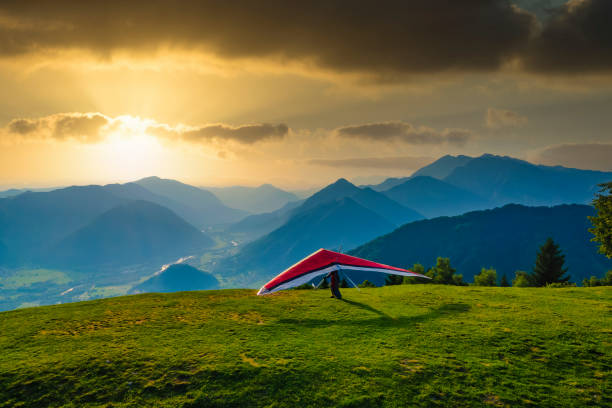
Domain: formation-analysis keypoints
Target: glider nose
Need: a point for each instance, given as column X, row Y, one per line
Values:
column 262, row 291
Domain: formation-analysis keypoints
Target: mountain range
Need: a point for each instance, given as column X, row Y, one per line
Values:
column 132, row 233
column 506, row 238
column 263, row 199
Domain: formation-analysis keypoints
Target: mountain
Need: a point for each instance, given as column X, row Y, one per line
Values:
column 11, row 192
column 32, row 221
column 442, row 167
column 200, row 207
column 262, row 199
column 334, row 224
column 432, row 197
column 257, row 225
column 506, row 239
column 503, row 180
column 132, row 233
column 388, row 183
column 376, row 202
column 177, row 278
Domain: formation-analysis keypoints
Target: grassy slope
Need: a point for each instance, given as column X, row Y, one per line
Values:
column 412, row 345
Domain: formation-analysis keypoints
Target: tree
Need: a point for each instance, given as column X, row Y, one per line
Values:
column 486, row 277
column 594, row 281
column 504, row 281
column 602, row 222
column 391, row 280
column 416, row 268
column 366, row 284
column 344, row 283
column 521, row 280
column 549, row 265
column 442, row 272
column 324, row 284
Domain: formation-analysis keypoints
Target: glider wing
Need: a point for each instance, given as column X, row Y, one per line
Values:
column 321, row 263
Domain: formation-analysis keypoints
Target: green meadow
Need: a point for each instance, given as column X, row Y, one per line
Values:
column 408, row 345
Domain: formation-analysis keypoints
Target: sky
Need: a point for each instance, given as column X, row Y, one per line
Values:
column 297, row 94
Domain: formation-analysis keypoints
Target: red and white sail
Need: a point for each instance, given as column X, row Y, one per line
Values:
column 321, row 263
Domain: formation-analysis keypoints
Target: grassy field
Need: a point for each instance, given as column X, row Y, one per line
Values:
column 412, row 345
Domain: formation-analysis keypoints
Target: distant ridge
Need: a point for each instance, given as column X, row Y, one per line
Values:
column 132, row 233
column 262, row 199
column 505, row 238
column 200, row 207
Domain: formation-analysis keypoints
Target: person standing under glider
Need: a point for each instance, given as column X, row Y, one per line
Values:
column 333, row 284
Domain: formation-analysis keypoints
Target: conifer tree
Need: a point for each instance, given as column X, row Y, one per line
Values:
column 504, row 281
column 324, row 284
column 344, row 283
column 549, row 265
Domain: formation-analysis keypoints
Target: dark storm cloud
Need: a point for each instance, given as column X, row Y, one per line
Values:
column 405, row 132
column 365, row 36
column 387, row 39
column 595, row 156
column 578, row 39
column 397, row 162
column 246, row 134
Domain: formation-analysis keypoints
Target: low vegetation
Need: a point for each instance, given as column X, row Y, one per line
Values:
column 409, row 345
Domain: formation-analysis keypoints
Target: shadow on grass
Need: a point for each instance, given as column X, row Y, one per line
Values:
column 383, row 319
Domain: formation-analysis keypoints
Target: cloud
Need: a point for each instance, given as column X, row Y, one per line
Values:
column 246, row 134
column 595, row 156
column 405, row 132
column 577, row 39
column 389, row 39
column 96, row 127
column 392, row 37
column 84, row 127
column 397, row 162
column 498, row 118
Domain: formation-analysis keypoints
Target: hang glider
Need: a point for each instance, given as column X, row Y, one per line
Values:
column 321, row 263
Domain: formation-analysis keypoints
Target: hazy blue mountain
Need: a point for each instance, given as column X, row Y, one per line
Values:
column 31, row 222
column 442, row 167
column 262, row 199
column 199, row 207
column 506, row 239
column 388, row 183
column 333, row 224
column 503, row 180
column 377, row 202
column 432, row 197
column 132, row 233
column 257, row 225
column 16, row 191
column 389, row 209
column 11, row 192
column 177, row 278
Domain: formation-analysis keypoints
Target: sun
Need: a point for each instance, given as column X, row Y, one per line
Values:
column 128, row 151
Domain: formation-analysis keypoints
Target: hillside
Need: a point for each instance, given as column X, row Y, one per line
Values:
column 433, row 198
column 442, row 167
column 503, row 180
column 506, row 239
column 177, row 278
column 133, row 233
column 200, row 207
column 411, row 345
column 262, row 199
column 342, row 223
column 32, row 221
